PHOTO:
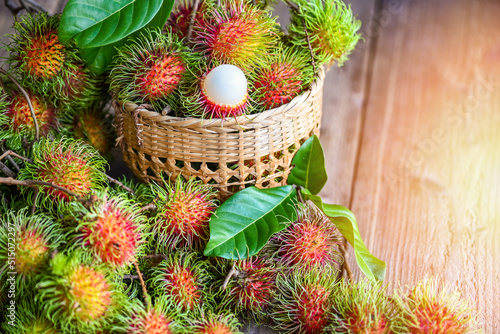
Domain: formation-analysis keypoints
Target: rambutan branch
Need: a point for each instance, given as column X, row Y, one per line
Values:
column 345, row 265
column 231, row 274
column 191, row 20
column 121, row 185
column 143, row 285
column 32, row 110
column 6, row 170
column 14, row 154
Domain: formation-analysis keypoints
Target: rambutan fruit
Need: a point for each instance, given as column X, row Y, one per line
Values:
column 183, row 277
column 36, row 54
column 213, row 323
column 26, row 242
column 112, row 230
column 16, row 121
column 432, row 308
column 331, row 27
column 68, row 163
column 219, row 92
column 76, row 294
column 80, row 88
column 287, row 74
column 360, row 308
column 29, row 320
column 94, row 126
column 183, row 213
column 180, row 17
column 150, row 69
column 253, row 289
column 237, row 33
column 303, row 303
column 163, row 318
column 311, row 241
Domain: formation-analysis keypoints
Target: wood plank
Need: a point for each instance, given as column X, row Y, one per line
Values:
column 426, row 192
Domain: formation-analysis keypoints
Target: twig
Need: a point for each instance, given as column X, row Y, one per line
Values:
column 346, row 265
column 192, row 18
column 6, row 170
column 143, row 285
column 150, row 206
column 119, row 184
column 32, row 110
column 13, row 163
column 14, row 154
column 232, row 273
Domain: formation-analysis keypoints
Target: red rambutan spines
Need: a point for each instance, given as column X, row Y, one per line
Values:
column 180, row 18
column 183, row 213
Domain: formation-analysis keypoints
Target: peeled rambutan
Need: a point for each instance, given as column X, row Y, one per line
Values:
column 224, row 323
column 94, row 126
column 38, row 56
column 331, row 27
column 180, row 18
column 150, row 69
column 236, row 32
column 311, row 241
column 360, row 308
column 183, row 277
column 68, row 163
column 75, row 293
column 432, row 308
column 35, row 237
column 112, row 230
column 252, row 291
column 16, row 121
column 303, row 303
column 287, row 74
column 183, row 213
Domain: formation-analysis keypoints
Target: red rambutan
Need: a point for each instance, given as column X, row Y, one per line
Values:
column 180, row 18
column 312, row 240
column 183, row 214
column 213, row 323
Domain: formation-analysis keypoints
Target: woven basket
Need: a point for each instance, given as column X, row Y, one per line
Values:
column 229, row 154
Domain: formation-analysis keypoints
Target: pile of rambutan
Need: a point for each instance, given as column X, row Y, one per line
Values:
column 81, row 252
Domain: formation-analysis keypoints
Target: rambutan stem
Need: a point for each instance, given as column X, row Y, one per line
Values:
column 346, row 265
column 6, row 170
column 32, row 110
column 143, row 285
column 232, row 273
column 191, row 20
column 110, row 179
column 14, row 154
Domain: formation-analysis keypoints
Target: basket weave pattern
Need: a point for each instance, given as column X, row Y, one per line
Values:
column 230, row 154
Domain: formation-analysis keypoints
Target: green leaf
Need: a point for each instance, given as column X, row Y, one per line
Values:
column 345, row 221
column 243, row 224
column 95, row 23
column 309, row 171
column 98, row 59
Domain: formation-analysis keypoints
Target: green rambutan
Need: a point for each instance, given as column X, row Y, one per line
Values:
column 17, row 124
column 224, row 323
column 432, row 308
column 303, row 304
column 237, row 33
column 94, row 126
column 26, row 242
column 183, row 213
column 162, row 318
column 43, row 63
column 150, row 69
column 253, row 289
column 29, row 319
column 311, row 241
column 68, row 163
column 180, row 17
column 360, row 308
column 331, row 26
column 112, row 230
column 76, row 294
column 184, row 278
column 287, row 74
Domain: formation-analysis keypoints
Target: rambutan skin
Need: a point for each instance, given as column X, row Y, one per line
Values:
column 184, row 211
column 180, row 17
column 94, row 126
column 68, row 163
column 213, row 323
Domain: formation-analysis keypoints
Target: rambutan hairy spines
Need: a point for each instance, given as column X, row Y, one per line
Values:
column 112, row 230
column 252, row 292
column 331, row 26
column 180, row 17
column 36, row 236
column 75, row 293
column 360, row 308
column 68, row 163
column 430, row 307
column 311, row 241
column 183, row 277
column 183, row 212
column 303, row 303
column 29, row 319
column 150, row 69
column 237, row 33
column 213, row 323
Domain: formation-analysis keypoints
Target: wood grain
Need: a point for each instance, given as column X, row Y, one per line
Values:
column 426, row 192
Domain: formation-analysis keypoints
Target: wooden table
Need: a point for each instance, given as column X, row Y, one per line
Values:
column 411, row 131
